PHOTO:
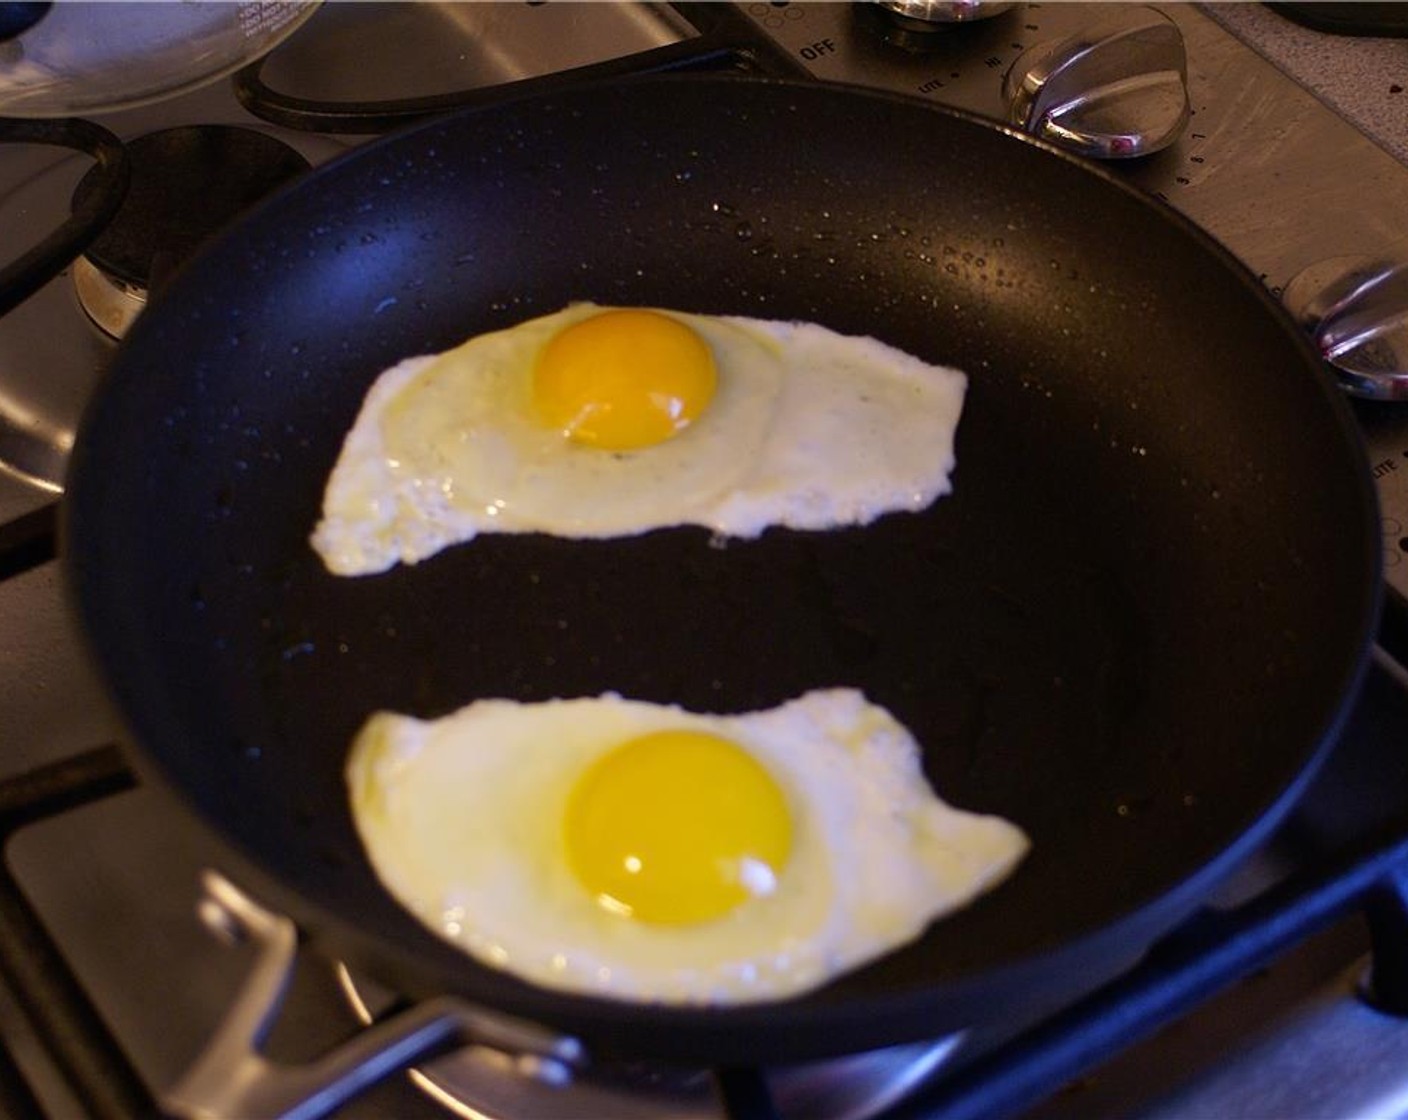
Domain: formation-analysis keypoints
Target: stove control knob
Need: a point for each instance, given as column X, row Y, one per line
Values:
column 1356, row 310
column 921, row 15
column 1117, row 89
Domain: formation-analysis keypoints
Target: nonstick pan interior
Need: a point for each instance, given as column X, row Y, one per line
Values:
column 1134, row 628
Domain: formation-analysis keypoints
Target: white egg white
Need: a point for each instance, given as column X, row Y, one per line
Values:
column 808, row 429
column 461, row 819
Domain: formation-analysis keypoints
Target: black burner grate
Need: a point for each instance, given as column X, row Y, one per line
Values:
column 94, row 1066
column 22, row 277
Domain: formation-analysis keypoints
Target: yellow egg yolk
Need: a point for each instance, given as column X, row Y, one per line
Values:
column 677, row 827
column 623, row 379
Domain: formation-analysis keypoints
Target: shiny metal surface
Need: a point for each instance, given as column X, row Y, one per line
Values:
column 483, row 1083
column 51, row 355
column 33, row 452
column 1356, row 310
column 930, row 14
column 457, row 46
column 233, row 1077
column 1264, row 165
column 1311, row 1050
column 1386, row 438
column 1261, row 165
column 50, row 360
column 1283, row 1072
column 112, row 305
column 1117, row 89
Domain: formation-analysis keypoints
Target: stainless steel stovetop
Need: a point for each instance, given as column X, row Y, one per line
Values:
column 1264, row 165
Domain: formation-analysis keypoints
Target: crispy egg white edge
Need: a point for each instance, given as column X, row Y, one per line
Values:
column 362, row 502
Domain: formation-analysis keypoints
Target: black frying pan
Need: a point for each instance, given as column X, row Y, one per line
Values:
column 1134, row 628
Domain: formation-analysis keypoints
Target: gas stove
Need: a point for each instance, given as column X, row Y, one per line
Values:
column 113, row 985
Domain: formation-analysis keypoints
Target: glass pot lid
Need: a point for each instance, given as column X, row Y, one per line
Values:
column 81, row 57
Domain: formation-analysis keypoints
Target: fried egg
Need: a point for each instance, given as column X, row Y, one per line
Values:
column 638, row 851
column 607, row 422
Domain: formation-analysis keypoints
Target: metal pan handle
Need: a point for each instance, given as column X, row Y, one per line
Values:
column 232, row 1078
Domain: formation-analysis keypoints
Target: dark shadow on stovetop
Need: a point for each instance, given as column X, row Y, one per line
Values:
column 1337, row 18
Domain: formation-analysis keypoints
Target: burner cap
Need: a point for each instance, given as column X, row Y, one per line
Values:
column 187, row 183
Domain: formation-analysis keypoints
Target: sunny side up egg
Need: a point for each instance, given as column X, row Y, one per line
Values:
column 607, row 422
column 636, row 851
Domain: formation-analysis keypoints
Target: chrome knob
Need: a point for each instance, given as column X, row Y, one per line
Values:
column 934, row 14
column 1117, row 89
column 1356, row 310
